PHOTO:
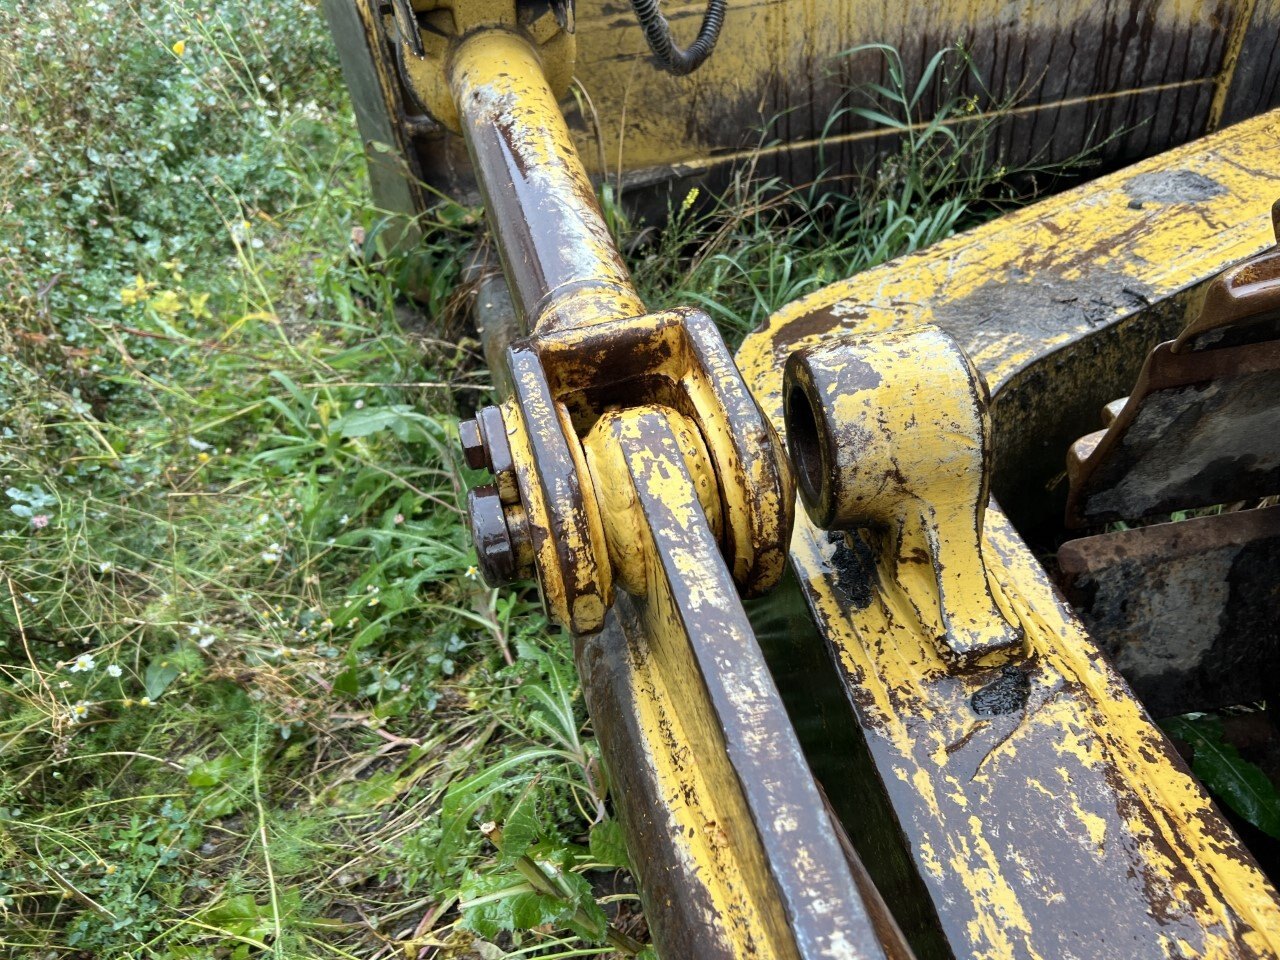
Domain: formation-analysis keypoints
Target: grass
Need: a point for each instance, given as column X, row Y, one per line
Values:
column 254, row 701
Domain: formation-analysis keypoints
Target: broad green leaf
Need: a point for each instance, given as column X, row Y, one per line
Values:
column 607, row 846
column 160, row 674
column 503, row 902
column 529, row 910
column 240, row 916
column 401, row 419
column 347, row 682
column 520, row 828
column 578, row 887
column 211, row 773
column 1227, row 775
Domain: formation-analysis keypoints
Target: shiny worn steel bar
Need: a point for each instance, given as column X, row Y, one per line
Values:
column 561, row 263
column 761, row 796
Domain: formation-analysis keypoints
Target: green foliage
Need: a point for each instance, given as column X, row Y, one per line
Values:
column 495, row 903
column 235, row 595
column 765, row 243
column 1231, row 778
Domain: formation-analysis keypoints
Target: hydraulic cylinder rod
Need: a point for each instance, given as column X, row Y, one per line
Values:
column 561, row 262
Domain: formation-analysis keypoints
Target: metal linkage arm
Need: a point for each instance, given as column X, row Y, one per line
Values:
column 559, row 257
column 633, row 467
column 789, row 879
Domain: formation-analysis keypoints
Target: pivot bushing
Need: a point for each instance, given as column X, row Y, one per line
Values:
column 874, row 421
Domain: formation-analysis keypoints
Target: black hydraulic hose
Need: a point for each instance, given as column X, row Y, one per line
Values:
column 658, row 33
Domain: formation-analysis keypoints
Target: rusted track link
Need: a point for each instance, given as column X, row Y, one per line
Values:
column 1189, row 611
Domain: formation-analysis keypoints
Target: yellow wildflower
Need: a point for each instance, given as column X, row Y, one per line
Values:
column 138, row 292
column 196, row 304
column 179, row 47
column 166, row 303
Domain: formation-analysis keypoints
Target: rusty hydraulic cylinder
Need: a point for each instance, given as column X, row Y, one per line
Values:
column 562, row 265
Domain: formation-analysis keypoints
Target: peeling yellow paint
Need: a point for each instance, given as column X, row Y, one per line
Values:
column 1081, row 757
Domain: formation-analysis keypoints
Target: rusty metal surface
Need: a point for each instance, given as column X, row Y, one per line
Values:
column 1059, row 303
column 616, row 671
column 1195, row 430
column 561, row 263
column 1048, row 866
column 1134, row 76
column 631, row 463
column 489, row 534
column 563, row 381
column 1043, row 813
column 1189, row 612
column 1238, row 303
column 818, row 706
column 1045, row 816
column 614, row 667
column 368, row 67
column 766, row 804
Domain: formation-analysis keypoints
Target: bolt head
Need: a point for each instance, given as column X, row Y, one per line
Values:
column 497, row 451
column 497, row 559
column 472, row 445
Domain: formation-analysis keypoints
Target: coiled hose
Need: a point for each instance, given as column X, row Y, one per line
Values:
column 658, row 34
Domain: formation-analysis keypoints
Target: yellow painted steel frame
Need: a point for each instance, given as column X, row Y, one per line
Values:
column 1153, row 229
column 758, row 830
column 1066, row 827
column 1072, row 66
column 1119, row 78
column 1113, row 837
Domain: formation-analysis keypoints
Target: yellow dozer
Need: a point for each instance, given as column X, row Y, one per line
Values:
column 877, row 724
